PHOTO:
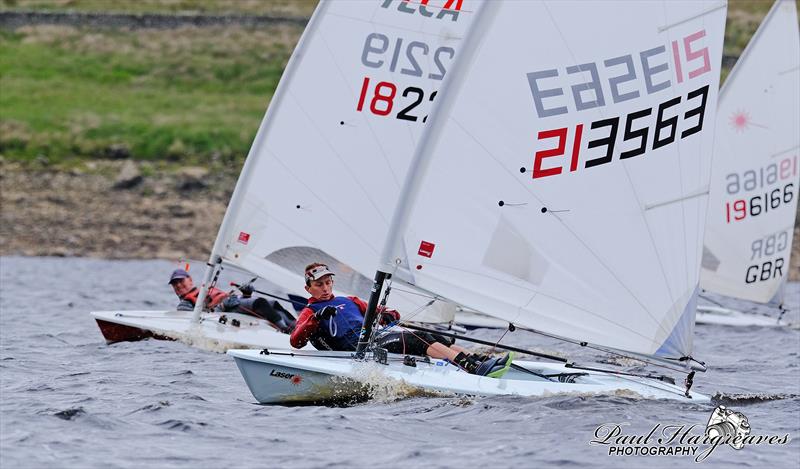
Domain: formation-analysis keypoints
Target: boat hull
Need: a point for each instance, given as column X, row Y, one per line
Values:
column 215, row 331
column 320, row 378
column 114, row 332
column 719, row 316
column 281, row 384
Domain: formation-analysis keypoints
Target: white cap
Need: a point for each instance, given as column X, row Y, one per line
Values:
column 318, row 272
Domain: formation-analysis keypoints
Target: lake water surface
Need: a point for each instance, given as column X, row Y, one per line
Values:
column 69, row 400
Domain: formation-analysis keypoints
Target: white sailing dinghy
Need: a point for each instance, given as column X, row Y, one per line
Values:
column 214, row 331
column 755, row 176
column 561, row 186
column 326, row 192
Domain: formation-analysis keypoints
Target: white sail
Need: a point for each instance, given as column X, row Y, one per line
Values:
column 755, row 177
column 322, row 177
column 562, row 182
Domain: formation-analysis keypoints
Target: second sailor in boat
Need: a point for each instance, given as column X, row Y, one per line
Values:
column 334, row 322
column 218, row 300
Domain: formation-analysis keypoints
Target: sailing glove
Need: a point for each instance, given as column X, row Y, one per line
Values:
column 389, row 316
column 247, row 290
column 325, row 313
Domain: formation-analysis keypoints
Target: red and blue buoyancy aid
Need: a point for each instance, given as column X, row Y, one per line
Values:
column 214, row 296
column 340, row 331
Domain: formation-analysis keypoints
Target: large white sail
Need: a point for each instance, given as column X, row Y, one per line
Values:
column 755, row 177
column 322, row 177
column 562, row 183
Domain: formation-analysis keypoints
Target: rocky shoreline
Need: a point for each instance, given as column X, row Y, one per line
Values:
column 126, row 210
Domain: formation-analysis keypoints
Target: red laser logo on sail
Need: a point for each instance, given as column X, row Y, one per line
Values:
column 426, row 249
column 740, row 121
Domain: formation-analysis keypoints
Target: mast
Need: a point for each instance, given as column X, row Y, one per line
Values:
column 391, row 257
column 215, row 258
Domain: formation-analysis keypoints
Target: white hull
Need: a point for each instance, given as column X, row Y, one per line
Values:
column 719, row 316
column 208, row 334
column 323, row 377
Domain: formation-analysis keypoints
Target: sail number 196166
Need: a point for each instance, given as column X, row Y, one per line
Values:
column 758, row 204
column 761, row 179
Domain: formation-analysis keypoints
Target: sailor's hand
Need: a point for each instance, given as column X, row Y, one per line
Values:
column 325, row 313
column 389, row 316
column 247, row 290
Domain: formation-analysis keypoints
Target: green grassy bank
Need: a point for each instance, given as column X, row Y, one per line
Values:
column 245, row 7
column 190, row 94
column 179, row 94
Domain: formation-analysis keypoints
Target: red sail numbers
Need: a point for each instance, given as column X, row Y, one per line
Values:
column 627, row 77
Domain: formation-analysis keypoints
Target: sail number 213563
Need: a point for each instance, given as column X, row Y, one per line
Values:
column 613, row 81
column 664, row 132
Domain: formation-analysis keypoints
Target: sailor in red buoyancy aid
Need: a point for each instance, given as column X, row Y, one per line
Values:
column 181, row 282
column 218, row 300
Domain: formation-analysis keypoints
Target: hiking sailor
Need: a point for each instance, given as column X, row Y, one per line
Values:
column 218, row 300
column 334, row 322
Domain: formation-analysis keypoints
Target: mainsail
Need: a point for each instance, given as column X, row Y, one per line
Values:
column 323, row 174
column 562, row 183
column 754, row 185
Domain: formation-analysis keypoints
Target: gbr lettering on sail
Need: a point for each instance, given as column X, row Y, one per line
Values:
column 628, row 76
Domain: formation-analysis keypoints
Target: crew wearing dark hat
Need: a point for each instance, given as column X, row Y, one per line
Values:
column 218, row 300
column 178, row 274
column 182, row 284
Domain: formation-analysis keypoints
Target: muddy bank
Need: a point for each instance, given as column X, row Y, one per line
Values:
column 111, row 210
column 125, row 210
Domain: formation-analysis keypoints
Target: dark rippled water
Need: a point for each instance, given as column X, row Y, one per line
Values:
column 69, row 400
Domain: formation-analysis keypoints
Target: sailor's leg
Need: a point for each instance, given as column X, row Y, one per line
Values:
column 439, row 350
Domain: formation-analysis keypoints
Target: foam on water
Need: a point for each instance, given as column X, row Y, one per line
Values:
column 383, row 388
column 623, row 393
column 750, row 398
column 196, row 339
